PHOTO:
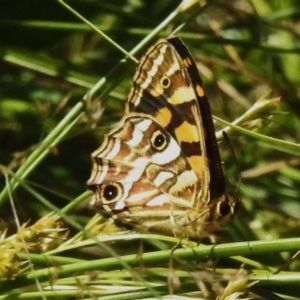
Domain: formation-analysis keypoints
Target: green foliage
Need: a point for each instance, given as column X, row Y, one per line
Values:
column 57, row 74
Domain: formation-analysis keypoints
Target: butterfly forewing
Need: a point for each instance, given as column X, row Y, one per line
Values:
column 212, row 150
column 160, row 168
column 163, row 88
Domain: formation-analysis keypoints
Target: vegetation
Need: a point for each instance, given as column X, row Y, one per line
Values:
column 64, row 81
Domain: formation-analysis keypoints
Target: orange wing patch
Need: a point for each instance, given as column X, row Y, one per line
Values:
column 200, row 90
column 187, row 132
column 164, row 116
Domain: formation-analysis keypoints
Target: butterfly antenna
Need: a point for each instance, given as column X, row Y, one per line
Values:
column 226, row 138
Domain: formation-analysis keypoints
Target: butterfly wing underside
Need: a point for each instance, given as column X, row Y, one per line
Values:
column 161, row 168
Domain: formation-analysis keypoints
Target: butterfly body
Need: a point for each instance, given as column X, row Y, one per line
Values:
column 160, row 169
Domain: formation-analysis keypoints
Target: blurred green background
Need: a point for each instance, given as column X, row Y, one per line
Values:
column 244, row 49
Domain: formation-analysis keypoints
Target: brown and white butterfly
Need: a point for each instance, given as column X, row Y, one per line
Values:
column 160, row 168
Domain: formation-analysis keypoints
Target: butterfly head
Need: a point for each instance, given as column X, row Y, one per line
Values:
column 223, row 208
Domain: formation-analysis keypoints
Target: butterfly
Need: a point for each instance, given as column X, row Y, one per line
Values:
column 160, row 169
